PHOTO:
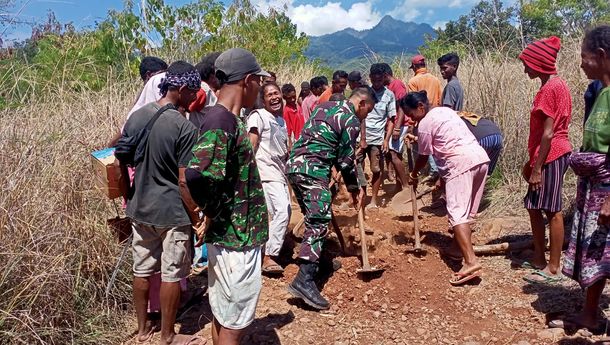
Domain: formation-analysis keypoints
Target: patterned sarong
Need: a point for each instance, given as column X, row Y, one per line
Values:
column 587, row 259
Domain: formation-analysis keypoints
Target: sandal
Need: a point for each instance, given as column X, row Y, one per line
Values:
column 571, row 323
column 460, row 278
column 526, row 265
column 273, row 269
column 546, row 278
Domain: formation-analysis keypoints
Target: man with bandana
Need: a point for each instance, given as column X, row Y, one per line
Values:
column 161, row 224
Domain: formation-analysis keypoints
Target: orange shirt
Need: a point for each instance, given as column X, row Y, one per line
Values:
column 325, row 96
column 426, row 81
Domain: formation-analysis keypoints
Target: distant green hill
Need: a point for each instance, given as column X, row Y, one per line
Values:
column 350, row 48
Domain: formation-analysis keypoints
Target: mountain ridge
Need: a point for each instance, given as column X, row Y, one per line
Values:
column 389, row 38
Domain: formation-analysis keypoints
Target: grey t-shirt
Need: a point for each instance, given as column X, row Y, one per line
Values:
column 453, row 95
column 156, row 200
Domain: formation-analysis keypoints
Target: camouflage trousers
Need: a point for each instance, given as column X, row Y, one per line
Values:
column 315, row 199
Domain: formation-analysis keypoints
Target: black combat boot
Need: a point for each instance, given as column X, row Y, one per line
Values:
column 305, row 288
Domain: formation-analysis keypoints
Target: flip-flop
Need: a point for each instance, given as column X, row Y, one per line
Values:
column 529, row 266
column 198, row 270
column 546, row 278
column 273, row 269
column 460, row 278
column 571, row 323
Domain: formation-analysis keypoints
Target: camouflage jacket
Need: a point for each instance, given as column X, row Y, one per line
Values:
column 328, row 139
column 224, row 181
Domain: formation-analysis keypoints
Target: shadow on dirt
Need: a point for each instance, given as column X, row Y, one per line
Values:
column 263, row 330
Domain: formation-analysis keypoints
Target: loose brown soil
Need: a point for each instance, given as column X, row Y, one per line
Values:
column 411, row 302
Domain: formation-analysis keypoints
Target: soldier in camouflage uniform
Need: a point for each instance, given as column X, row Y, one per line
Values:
column 224, row 182
column 328, row 140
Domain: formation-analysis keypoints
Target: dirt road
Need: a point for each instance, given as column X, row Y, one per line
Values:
column 412, row 302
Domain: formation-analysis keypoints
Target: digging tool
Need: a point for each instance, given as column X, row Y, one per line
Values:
column 403, row 200
column 417, row 249
column 366, row 266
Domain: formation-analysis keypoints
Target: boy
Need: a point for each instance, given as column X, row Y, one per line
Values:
column 317, row 87
column 339, row 84
column 379, row 127
column 453, row 94
column 292, row 114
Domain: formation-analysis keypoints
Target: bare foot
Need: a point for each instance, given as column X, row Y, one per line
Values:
column 148, row 332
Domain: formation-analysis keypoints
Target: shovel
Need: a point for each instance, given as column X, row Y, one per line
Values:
column 366, row 266
column 417, row 249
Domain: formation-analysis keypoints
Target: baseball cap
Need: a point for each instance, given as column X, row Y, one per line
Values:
column 354, row 76
column 417, row 60
column 235, row 64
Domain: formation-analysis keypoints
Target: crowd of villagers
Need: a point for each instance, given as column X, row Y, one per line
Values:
column 228, row 146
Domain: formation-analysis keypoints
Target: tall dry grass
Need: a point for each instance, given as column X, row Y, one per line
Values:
column 56, row 252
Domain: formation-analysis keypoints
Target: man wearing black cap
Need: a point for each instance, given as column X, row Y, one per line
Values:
column 224, row 182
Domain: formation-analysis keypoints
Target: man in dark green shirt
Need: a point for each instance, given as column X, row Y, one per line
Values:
column 328, row 140
column 224, row 182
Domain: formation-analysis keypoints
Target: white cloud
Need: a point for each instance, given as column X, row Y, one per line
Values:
column 440, row 24
column 328, row 18
column 405, row 13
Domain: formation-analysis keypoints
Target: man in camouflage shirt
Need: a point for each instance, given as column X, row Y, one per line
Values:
column 328, row 140
column 224, row 182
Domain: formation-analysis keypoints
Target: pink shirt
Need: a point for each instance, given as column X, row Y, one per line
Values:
column 445, row 136
column 309, row 103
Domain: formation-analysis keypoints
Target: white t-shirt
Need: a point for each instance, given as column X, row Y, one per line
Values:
column 272, row 150
column 150, row 93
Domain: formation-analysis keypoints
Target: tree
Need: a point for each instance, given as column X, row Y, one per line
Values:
column 271, row 36
column 488, row 26
column 542, row 18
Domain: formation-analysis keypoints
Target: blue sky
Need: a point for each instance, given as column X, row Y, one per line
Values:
column 314, row 17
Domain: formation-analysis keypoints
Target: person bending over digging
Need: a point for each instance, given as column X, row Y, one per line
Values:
column 225, row 184
column 328, row 140
column 549, row 153
column 269, row 138
column 462, row 164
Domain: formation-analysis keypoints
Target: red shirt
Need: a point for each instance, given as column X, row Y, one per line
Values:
column 294, row 121
column 399, row 89
column 552, row 100
column 199, row 102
